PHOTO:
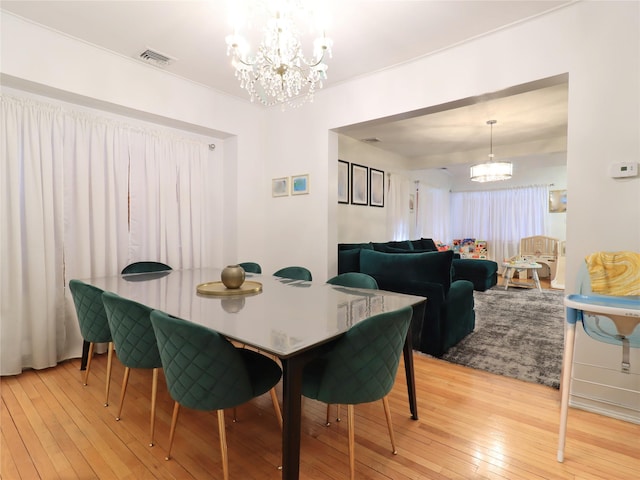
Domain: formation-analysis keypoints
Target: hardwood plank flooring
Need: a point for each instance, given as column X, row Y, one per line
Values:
column 473, row 425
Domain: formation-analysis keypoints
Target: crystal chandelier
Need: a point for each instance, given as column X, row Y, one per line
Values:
column 278, row 72
column 491, row 171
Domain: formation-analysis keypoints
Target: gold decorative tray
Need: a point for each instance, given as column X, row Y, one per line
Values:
column 219, row 290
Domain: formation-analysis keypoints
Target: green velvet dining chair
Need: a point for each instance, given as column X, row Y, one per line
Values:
column 355, row 280
column 251, row 267
column 94, row 326
column 205, row 371
column 294, row 273
column 135, row 345
column 145, row 267
column 361, row 367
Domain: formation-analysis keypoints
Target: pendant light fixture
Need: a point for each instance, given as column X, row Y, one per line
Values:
column 278, row 72
column 491, row 171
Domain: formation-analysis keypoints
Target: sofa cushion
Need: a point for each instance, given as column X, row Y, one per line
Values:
column 381, row 247
column 354, row 246
column 349, row 260
column 482, row 273
column 425, row 244
column 388, row 249
column 432, row 267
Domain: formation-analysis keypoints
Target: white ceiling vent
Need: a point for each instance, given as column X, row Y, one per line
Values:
column 156, row 58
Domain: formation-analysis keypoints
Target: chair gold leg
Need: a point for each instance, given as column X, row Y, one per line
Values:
column 235, row 414
column 223, row 445
column 154, row 394
column 89, row 358
column 172, row 431
column 276, row 406
column 352, row 441
column 387, row 413
column 108, row 381
column 123, row 390
column 337, row 412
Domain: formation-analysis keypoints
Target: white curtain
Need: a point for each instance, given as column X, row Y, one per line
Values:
column 171, row 193
column 398, row 215
column 95, row 182
column 501, row 217
column 432, row 216
column 31, row 233
column 71, row 207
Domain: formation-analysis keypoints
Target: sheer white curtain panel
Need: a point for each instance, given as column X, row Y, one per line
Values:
column 433, row 213
column 32, row 326
column 96, row 204
column 398, row 215
column 501, row 217
column 172, row 197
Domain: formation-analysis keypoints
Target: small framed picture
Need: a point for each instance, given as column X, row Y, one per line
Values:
column 376, row 188
column 557, row 201
column 343, row 181
column 280, row 187
column 299, row 184
column 359, row 184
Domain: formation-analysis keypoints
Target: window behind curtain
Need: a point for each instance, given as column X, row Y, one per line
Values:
column 501, row 217
column 71, row 206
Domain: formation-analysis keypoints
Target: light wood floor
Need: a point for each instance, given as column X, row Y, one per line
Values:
column 473, row 425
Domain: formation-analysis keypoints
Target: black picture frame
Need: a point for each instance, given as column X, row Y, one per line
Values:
column 376, row 187
column 359, row 184
column 343, row 181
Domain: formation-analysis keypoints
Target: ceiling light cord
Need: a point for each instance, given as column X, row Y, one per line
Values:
column 491, row 123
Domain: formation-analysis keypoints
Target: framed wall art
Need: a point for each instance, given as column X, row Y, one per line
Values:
column 557, row 201
column 300, row 184
column 280, row 187
column 359, row 184
column 376, row 188
column 343, row 181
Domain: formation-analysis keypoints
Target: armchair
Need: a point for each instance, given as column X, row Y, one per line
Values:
column 449, row 315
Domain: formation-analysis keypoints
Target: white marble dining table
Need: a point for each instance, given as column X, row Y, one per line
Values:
column 290, row 319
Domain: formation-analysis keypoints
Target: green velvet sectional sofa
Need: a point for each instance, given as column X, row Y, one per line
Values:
column 482, row 273
column 448, row 315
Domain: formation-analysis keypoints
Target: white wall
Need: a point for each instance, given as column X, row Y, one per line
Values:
column 594, row 42
column 360, row 223
column 78, row 72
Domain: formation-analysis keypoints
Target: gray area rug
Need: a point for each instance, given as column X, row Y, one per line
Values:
column 519, row 333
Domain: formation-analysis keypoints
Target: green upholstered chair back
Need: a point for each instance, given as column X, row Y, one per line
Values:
column 251, row 267
column 204, row 371
column 294, row 273
column 362, row 365
column 132, row 333
column 92, row 317
column 144, row 267
column 355, row 280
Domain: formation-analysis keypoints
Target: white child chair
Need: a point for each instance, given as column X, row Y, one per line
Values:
column 610, row 315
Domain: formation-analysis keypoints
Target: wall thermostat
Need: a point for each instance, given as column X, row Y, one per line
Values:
column 623, row 169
